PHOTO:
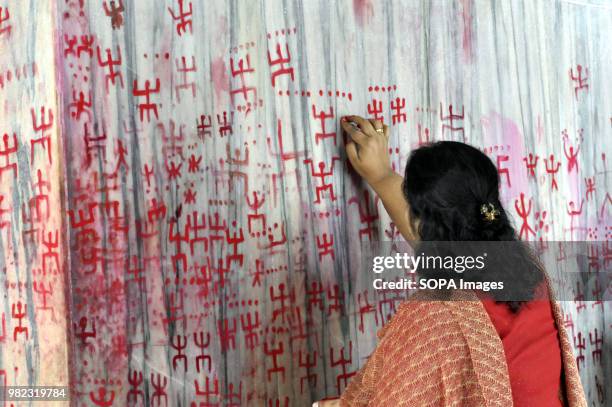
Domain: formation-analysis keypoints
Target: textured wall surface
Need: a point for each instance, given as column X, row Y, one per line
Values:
column 34, row 317
column 178, row 224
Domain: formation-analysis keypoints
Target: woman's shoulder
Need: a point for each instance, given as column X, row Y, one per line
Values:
column 423, row 312
column 433, row 301
column 422, row 346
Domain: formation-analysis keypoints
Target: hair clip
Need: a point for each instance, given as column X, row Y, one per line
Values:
column 489, row 212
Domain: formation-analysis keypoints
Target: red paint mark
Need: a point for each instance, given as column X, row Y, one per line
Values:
column 280, row 60
column 363, row 11
column 467, row 31
column 183, row 17
column 5, row 29
column 580, row 78
column 114, row 11
column 219, row 76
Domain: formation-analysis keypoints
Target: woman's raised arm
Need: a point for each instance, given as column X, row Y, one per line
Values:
column 368, row 152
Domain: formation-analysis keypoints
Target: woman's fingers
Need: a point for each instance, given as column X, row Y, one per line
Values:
column 364, row 124
column 352, row 153
column 355, row 134
column 376, row 124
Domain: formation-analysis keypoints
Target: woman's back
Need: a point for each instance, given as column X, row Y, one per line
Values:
column 444, row 353
column 434, row 353
column 533, row 353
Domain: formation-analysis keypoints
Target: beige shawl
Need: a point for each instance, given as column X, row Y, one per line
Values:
column 447, row 353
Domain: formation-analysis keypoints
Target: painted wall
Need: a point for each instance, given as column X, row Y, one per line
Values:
column 34, row 315
column 194, row 206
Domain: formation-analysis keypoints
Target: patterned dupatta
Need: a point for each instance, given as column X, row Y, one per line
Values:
column 470, row 364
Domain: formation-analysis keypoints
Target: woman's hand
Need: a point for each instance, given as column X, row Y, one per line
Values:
column 368, row 149
column 327, row 403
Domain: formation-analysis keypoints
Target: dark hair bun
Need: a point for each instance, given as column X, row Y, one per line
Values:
column 446, row 184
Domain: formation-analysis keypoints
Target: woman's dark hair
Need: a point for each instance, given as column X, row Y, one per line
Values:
column 446, row 185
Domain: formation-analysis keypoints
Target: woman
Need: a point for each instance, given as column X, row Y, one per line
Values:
column 474, row 349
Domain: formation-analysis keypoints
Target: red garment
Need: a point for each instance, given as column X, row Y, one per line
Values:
column 533, row 354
